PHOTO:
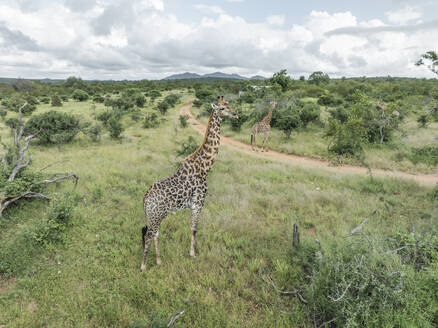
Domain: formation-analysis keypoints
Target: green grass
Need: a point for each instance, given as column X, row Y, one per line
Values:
column 93, row 279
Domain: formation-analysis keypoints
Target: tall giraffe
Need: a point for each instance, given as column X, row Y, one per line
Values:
column 264, row 126
column 187, row 188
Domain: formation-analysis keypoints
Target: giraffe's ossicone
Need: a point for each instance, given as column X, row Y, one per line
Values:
column 187, row 188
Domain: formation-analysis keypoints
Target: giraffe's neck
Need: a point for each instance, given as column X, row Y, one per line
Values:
column 267, row 119
column 203, row 158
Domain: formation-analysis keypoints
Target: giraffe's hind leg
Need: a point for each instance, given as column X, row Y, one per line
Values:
column 147, row 243
column 157, row 252
column 151, row 233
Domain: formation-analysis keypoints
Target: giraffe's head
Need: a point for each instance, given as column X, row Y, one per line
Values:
column 273, row 104
column 223, row 108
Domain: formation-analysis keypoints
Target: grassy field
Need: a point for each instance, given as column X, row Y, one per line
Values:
column 93, row 278
column 311, row 142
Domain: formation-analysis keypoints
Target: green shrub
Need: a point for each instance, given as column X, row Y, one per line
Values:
column 366, row 282
column 105, row 116
column 14, row 103
column 3, row 114
column 45, row 100
column 56, row 101
column 94, row 132
column 98, row 99
column 183, row 119
column 151, row 121
column 52, row 229
column 163, row 106
column 197, row 103
column 426, row 154
column 80, row 95
column 289, row 121
column 136, row 115
column 53, row 127
column 115, row 127
column 236, row 123
column 434, row 193
column 139, row 100
column 309, row 113
column 423, row 120
column 187, row 147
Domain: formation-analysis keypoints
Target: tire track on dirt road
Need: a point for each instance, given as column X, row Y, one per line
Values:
column 307, row 162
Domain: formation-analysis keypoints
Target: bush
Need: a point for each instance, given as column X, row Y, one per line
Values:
column 434, row 193
column 339, row 113
column 45, row 100
column 289, row 121
column 183, row 119
column 98, row 99
column 423, row 120
column 151, row 121
column 365, row 283
column 53, row 127
column 94, row 132
column 80, row 95
column 197, row 103
column 3, row 114
column 15, row 103
column 139, row 100
column 426, row 154
column 309, row 113
column 115, row 127
column 187, row 147
column 56, row 101
column 236, row 123
column 52, row 229
column 163, row 106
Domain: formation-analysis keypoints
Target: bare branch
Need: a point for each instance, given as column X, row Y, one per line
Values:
column 343, row 294
column 27, row 194
column 50, row 165
column 284, row 292
column 326, row 323
column 68, row 176
column 360, row 226
column 174, row 318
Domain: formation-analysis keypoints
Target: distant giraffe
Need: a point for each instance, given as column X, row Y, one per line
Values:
column 264, row 126
column 187, row 188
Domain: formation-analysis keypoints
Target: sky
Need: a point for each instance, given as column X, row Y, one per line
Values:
column 151, row 39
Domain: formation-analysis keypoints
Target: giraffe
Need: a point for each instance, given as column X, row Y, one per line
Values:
column 187, row 188
column 264, row 126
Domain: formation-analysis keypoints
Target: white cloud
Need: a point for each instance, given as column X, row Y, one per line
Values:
column 132, row 39
column 276, row 20
column 403, row 16
column 210, row 9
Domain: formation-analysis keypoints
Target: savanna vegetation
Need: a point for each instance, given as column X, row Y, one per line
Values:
column 368, row 251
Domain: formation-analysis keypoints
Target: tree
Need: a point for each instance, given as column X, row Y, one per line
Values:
column 282, row 79
column 429, row 59
column 289, row 121
column 115, row 127
column 56, row 101
column 16, row 180
column 53, row 126
column 80, row 95
column 319, row 78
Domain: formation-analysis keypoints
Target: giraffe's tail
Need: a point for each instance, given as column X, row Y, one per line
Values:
column 144, row 230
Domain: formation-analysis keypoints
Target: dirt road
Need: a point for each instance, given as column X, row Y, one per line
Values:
column 424, row 179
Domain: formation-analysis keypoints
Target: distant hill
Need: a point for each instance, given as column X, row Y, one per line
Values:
column 215, row 75
column 257, row 77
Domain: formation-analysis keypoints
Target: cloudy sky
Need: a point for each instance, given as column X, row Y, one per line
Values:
column 150, row 39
